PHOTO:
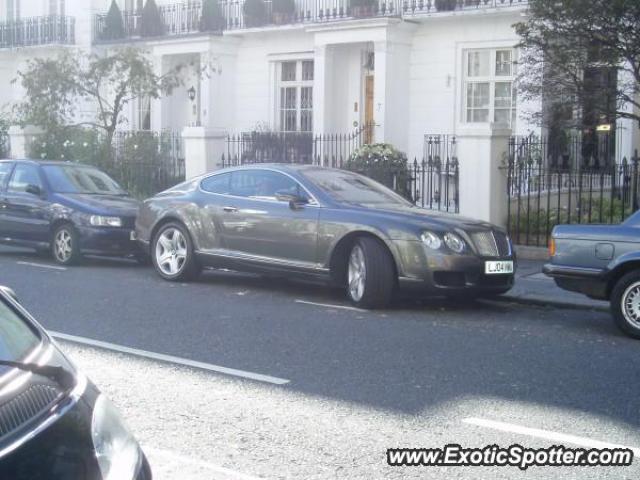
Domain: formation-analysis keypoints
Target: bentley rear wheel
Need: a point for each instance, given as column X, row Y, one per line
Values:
column 625, row 304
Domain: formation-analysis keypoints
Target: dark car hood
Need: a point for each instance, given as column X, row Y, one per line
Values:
column 604, row 233
column 116, row 205
column 422, row 216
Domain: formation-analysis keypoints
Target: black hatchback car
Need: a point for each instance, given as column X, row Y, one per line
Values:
column 67, row 208
column 54, row 423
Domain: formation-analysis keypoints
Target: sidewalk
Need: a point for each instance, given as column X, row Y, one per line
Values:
column 533, row 286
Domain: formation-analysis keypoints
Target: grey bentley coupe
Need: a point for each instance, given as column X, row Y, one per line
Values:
column 602, row 262
column 321, row 222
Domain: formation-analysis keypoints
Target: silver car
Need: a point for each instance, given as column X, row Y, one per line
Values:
column 321, row 222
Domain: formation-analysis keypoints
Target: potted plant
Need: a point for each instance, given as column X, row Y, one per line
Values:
column 151, row 23
column 113, row 23
column 212, row 19
column 363, row 8
column 255, row 13
column 283, row 11
column 445, row 5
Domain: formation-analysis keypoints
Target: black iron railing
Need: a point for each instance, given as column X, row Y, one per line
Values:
column 145, row 163
column 26, row 32
column 575, row 182
column 177, row 19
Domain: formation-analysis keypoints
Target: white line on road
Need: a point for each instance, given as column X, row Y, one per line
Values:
column 170, row 359
column 328, row 305
column 545, row 434
column 41, row 265
column 166, row 454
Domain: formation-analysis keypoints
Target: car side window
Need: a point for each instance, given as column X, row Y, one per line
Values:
column 264, row 184
column 220, row 184
column 5, row 170
column 24, row 175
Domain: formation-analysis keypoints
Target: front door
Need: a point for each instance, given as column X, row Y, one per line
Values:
column 368, row 109
column 256, row 224
column 25, row 211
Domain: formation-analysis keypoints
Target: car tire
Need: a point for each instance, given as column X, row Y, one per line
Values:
column 173, row 254
column 625, row 304
column 370, row 274
column 65, row 245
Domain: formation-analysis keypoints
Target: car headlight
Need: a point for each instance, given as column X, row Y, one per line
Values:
column 117, row 452
column 431, row 240
column 454, row 242
column 100, row 221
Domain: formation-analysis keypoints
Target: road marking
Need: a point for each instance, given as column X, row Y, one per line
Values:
column 166, row 454
column 328, row 305
column 545, row 434
column 171, row 359
column 41, row 265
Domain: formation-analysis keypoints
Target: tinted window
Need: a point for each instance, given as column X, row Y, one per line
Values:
column 353, row 188
column 23, row 175
column 263, row 184
column 217, row 184
column 5, row 170
column 16, row 337
column 81, row 179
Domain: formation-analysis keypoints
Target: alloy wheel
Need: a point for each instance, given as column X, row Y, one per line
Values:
column 171, row 251
column 357, row 273
column 63, row 245
column 631, row 304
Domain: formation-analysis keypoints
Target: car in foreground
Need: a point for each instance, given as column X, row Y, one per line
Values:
column 326, row 223
column 602, row 262
column 54, row 423
column 66, row 208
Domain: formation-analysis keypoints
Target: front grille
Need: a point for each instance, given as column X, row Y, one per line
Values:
column 491, row 244
column 25, row 406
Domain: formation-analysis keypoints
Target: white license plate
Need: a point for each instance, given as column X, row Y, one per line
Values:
column 495, row 268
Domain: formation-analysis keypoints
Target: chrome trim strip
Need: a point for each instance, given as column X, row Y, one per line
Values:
column 268, row 260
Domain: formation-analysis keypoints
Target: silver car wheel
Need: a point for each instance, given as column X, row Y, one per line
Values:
column 357, row 273
column 62, row 245
column 631, row 304
column 171, row 251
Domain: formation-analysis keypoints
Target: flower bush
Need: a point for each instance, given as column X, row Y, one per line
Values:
column 385, row 164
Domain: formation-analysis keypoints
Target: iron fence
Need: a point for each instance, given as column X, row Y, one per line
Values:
column 295, row 147
column 543, row 193
column 25, row 32
column 145, row 163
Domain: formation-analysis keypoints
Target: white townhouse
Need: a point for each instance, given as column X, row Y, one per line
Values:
column 410, row 67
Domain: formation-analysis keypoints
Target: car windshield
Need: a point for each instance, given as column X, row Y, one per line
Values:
column 350, row 187
column 17, row 339
column 81, row 179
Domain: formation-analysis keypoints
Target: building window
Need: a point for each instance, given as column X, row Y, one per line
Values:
column 295, row 96
column 143, row 114
column 489, row 93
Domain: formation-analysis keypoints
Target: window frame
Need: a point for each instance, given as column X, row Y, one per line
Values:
column 299, row 84
column 13, row 174
column 492, row 80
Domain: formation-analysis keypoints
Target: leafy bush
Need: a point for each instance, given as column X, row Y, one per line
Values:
column 114, row 25
column 151, row 23
column 384, row 163
column 71, row 144
column 284, row 6
column 212, row 19
column 445, row 5
column 4, row 138
column 255, row 13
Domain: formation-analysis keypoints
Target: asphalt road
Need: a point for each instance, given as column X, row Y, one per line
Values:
column 353, row 382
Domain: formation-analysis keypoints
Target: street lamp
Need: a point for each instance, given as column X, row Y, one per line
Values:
column 192, row 93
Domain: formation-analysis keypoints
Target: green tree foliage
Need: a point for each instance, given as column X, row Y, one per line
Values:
column 114, row 25
column 151, row 23
column 255, row 13
column 581, row 56
column 212, row 19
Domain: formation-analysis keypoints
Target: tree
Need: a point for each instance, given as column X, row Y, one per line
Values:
column 151, row 23
column 56, row 88
column 582, row 59
column 114, row 25
column 212, row 19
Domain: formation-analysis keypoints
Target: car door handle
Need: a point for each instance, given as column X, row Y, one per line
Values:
column 230, row 209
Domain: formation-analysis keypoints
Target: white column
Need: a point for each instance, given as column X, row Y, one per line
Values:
column 380, row 90
column 203, row 149
column 21, row 138
column 156, row 103
column 483, row 183
column 322, row 94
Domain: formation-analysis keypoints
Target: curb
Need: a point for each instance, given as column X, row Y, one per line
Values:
column 545, row 302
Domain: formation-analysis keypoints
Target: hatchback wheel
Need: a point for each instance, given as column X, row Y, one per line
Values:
column 65, row 245
column 370, row 274
column 625, row 304
column 173, row 255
